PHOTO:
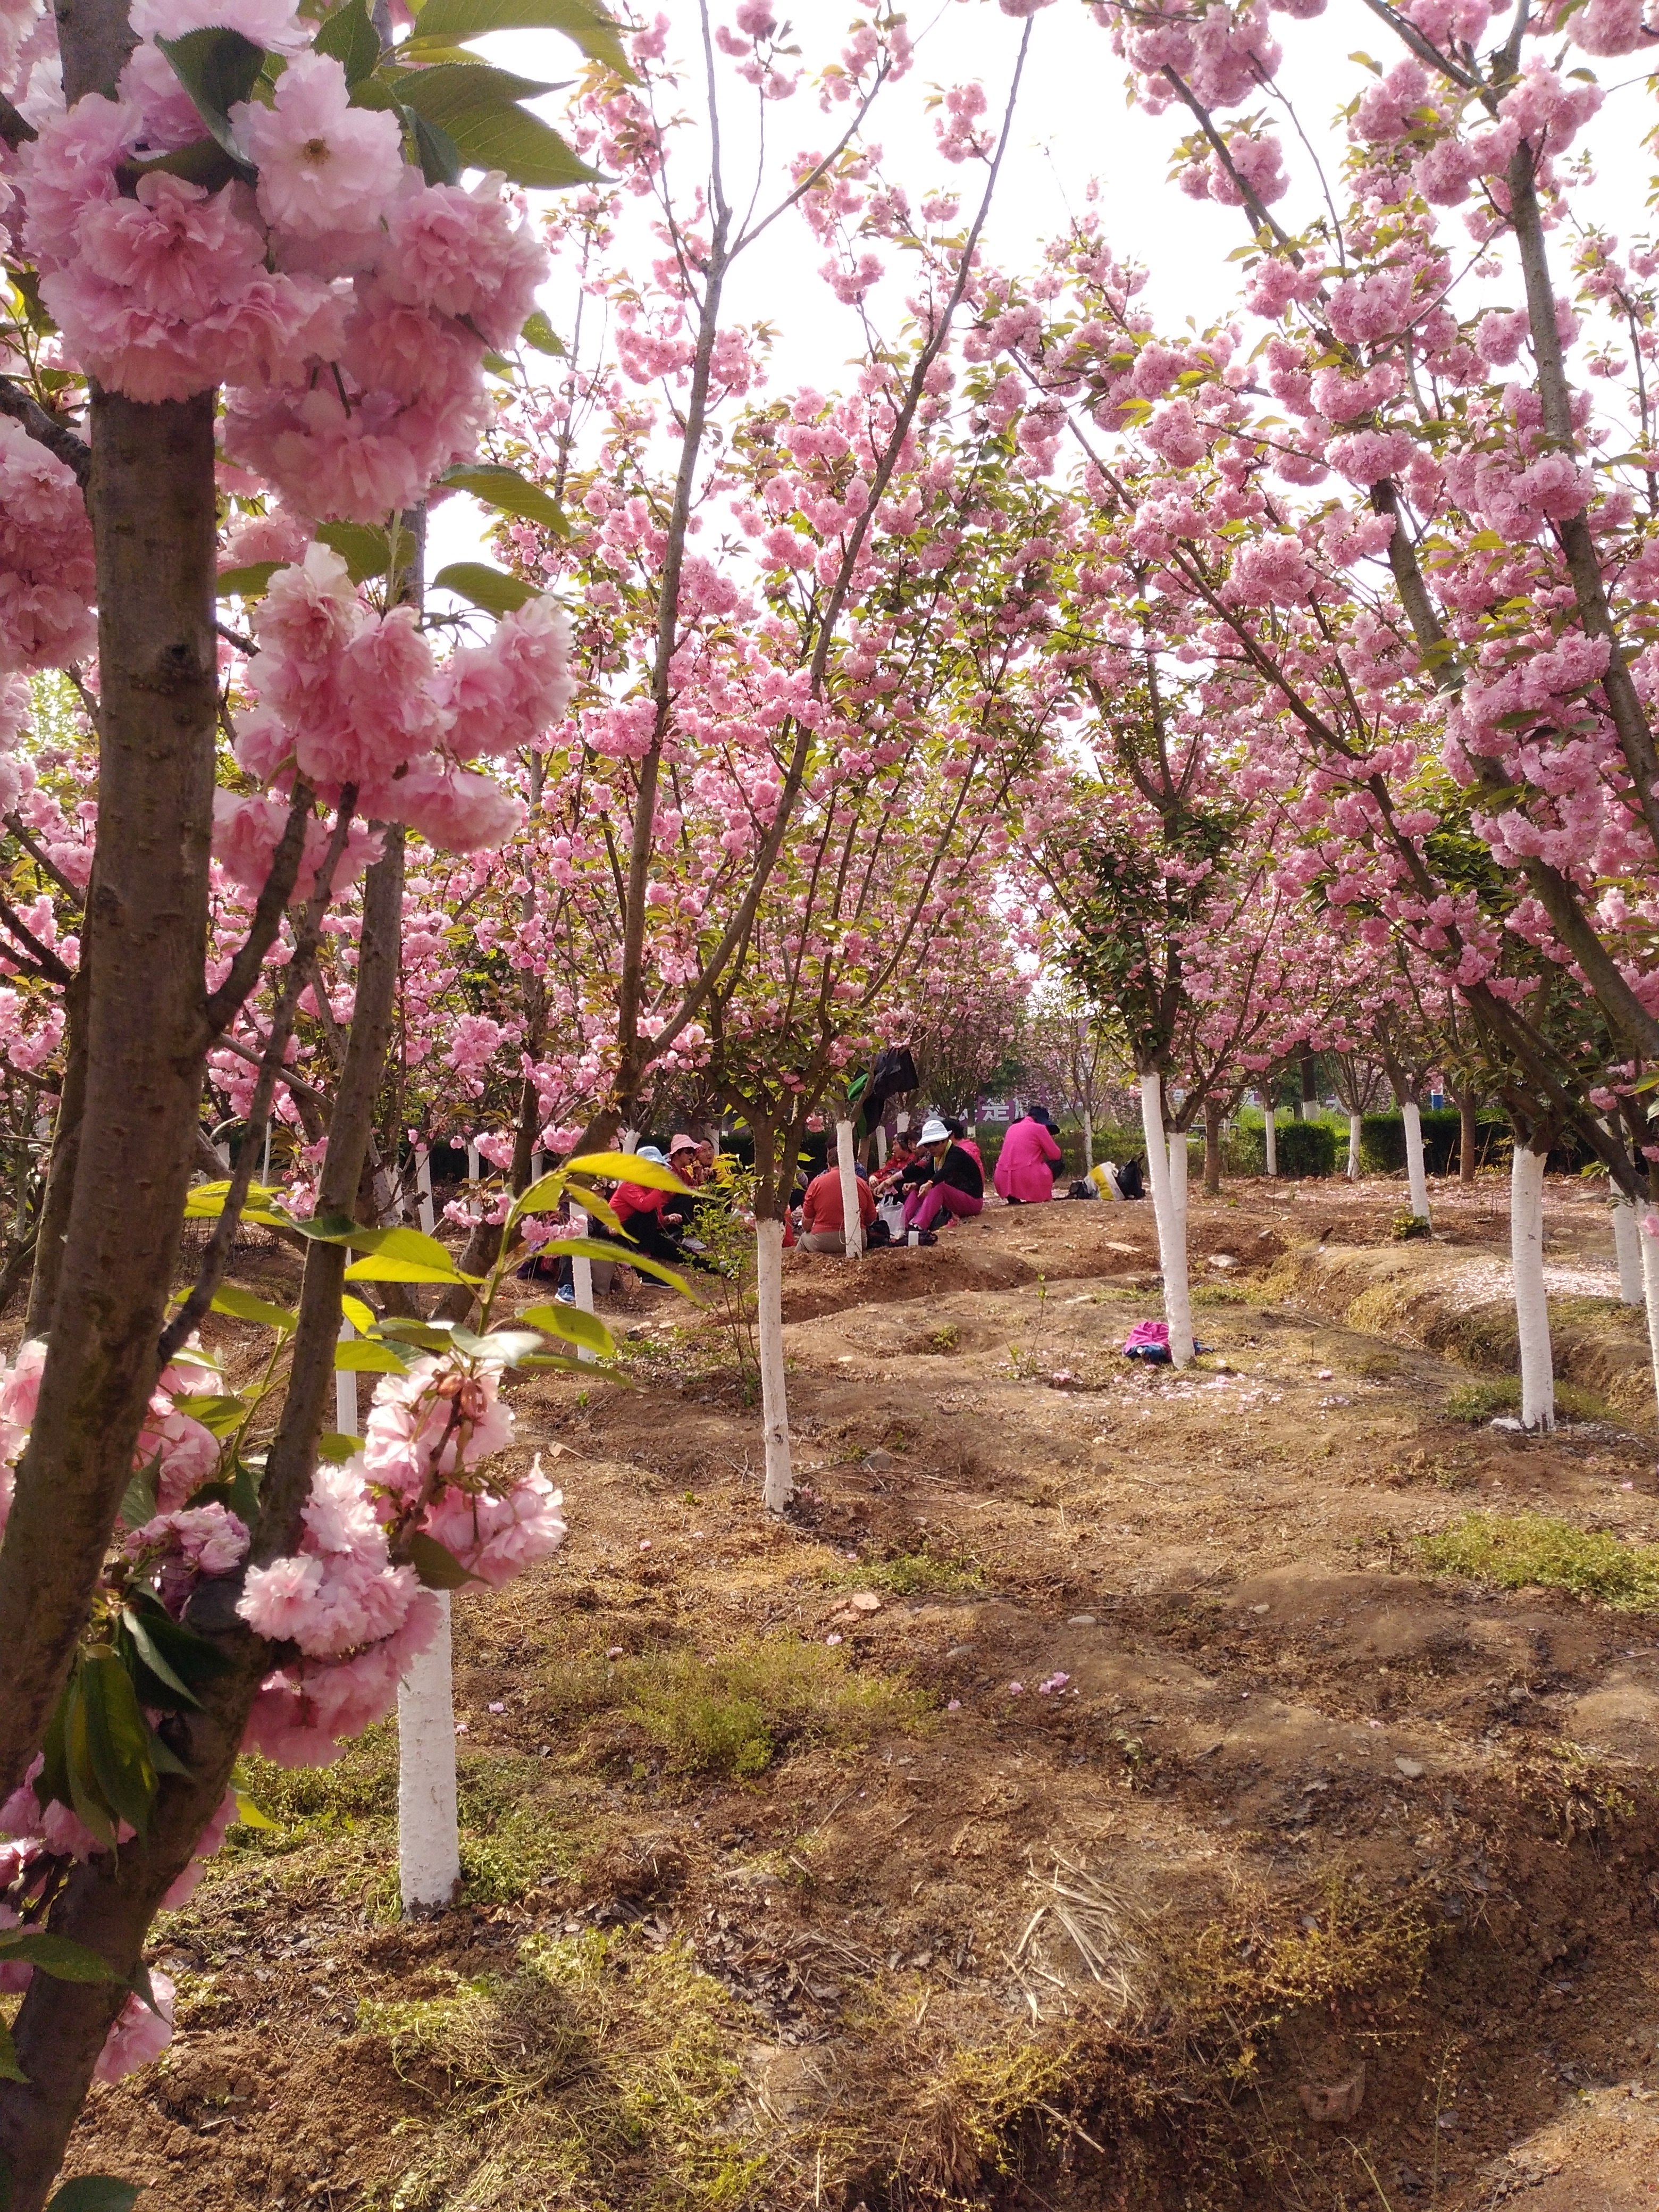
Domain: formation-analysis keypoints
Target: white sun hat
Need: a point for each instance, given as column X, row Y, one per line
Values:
column 934, row 1133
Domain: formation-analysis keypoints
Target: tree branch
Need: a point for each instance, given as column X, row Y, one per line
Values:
column 45, row 429
column 223, row 1005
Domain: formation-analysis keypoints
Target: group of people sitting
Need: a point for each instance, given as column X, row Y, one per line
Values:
column 941, row 1175
column 936, row 1176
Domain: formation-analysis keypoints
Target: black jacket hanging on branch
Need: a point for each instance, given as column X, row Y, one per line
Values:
column 893, row 1073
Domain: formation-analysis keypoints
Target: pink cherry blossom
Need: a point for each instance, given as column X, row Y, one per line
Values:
column 323, row 166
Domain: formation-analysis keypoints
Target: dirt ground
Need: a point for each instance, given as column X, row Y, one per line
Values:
column 1088, row 1797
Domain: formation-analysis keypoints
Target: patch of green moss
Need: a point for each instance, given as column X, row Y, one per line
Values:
column 1515, row 1550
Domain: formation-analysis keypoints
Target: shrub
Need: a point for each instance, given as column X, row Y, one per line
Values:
column 1304, row 1149
column 1513, row 1551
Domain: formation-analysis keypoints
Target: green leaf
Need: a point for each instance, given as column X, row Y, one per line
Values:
column 217, row 1411
column 231, row 1299
column 542, row 1196
column 509, row 492
column 429, row 1336
column 150, row 1652
column 593, row 31
column 509, row 1346
column 335, row 1446
column 436, row 1568
column 65, row 1961
column 203, row 162
column 117, row 1738
column 138, row 1499
column 364, row 547
column 589, row 1247
column 217, row 69
column 363, row 1318
column 439, row 155
column 405, row 1244
column 95, row 2192
column 537, row 331
column 349, row 36
column 388, row 1267
column 600, row 1208
column 492, row 589
column 366, row 1355
column 333, row 1229
column 627, row 1167
column 573, row 1324
column 477, row 105
column 9, row 2068
column 250, row 1815
column 249, row 583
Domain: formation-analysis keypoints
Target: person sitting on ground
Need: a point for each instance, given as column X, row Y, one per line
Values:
column 822, row 1220
column 959, row 1135
column 889, row 1176
column 654, row 1221
column 1026, row 1164
column 954, row 1184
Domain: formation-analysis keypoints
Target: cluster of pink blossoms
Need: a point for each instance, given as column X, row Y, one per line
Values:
column 348, row 696
column 45, row 558
column 347, row 304
column 357, row 1618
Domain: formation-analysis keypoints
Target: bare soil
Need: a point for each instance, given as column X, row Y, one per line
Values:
column 1347, row 1873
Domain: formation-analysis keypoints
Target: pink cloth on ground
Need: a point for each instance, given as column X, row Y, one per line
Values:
column 1026, row 1162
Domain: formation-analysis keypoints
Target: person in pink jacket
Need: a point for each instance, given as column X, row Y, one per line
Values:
column 1026, row 1164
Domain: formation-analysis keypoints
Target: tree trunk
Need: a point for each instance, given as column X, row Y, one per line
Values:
column 151, row 497
column 780, row 1481
column 109, row 1903
column 1164, row 1172
column 1270, row 1133
column 1355, row 1125
column 852, row 1221
column 1468, row 1141
column 1417, row 1182
column 1212, row 1148
column 1650, row 1300
column 1310, row 1087
column 1627, row 1249
column 1088, row 1141
column 428, row 1832
column 1532, row 1314
column 65, row 1152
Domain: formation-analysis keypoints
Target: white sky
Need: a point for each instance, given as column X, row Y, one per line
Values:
column 1072, row 123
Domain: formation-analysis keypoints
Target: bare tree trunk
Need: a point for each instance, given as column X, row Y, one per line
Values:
column 1212, row 1148
column 151, row 497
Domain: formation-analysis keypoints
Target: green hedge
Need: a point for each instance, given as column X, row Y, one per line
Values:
column 1304, row 1149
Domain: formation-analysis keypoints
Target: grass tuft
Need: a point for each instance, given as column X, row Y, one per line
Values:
column 1515, row 1550
column 913, row 1574
column 596, row 2061
column 1475, row 1402
column 734, row 1713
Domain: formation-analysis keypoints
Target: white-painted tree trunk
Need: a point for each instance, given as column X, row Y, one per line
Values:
column 345, row 1386
column 630, row 1141
column 581, row 1277
column 429, row 1831
column 423, row 1189
column 1088, row 1141
column 471, row 1162
column 1532, row 1313
column 1166, row 1174
column 1650, row 1296
column 264, row 1169
column 780, row 1484
column 1353, row 1147
column 881, row 1144
column 1417, row 1180
column 1270, row 1133
column 851, row 1222
column 1627, row 1249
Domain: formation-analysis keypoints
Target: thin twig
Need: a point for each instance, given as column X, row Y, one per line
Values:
column 217, row 1258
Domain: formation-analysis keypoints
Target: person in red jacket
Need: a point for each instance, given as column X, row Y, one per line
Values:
column 823, row 1222
column 654, row 1221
